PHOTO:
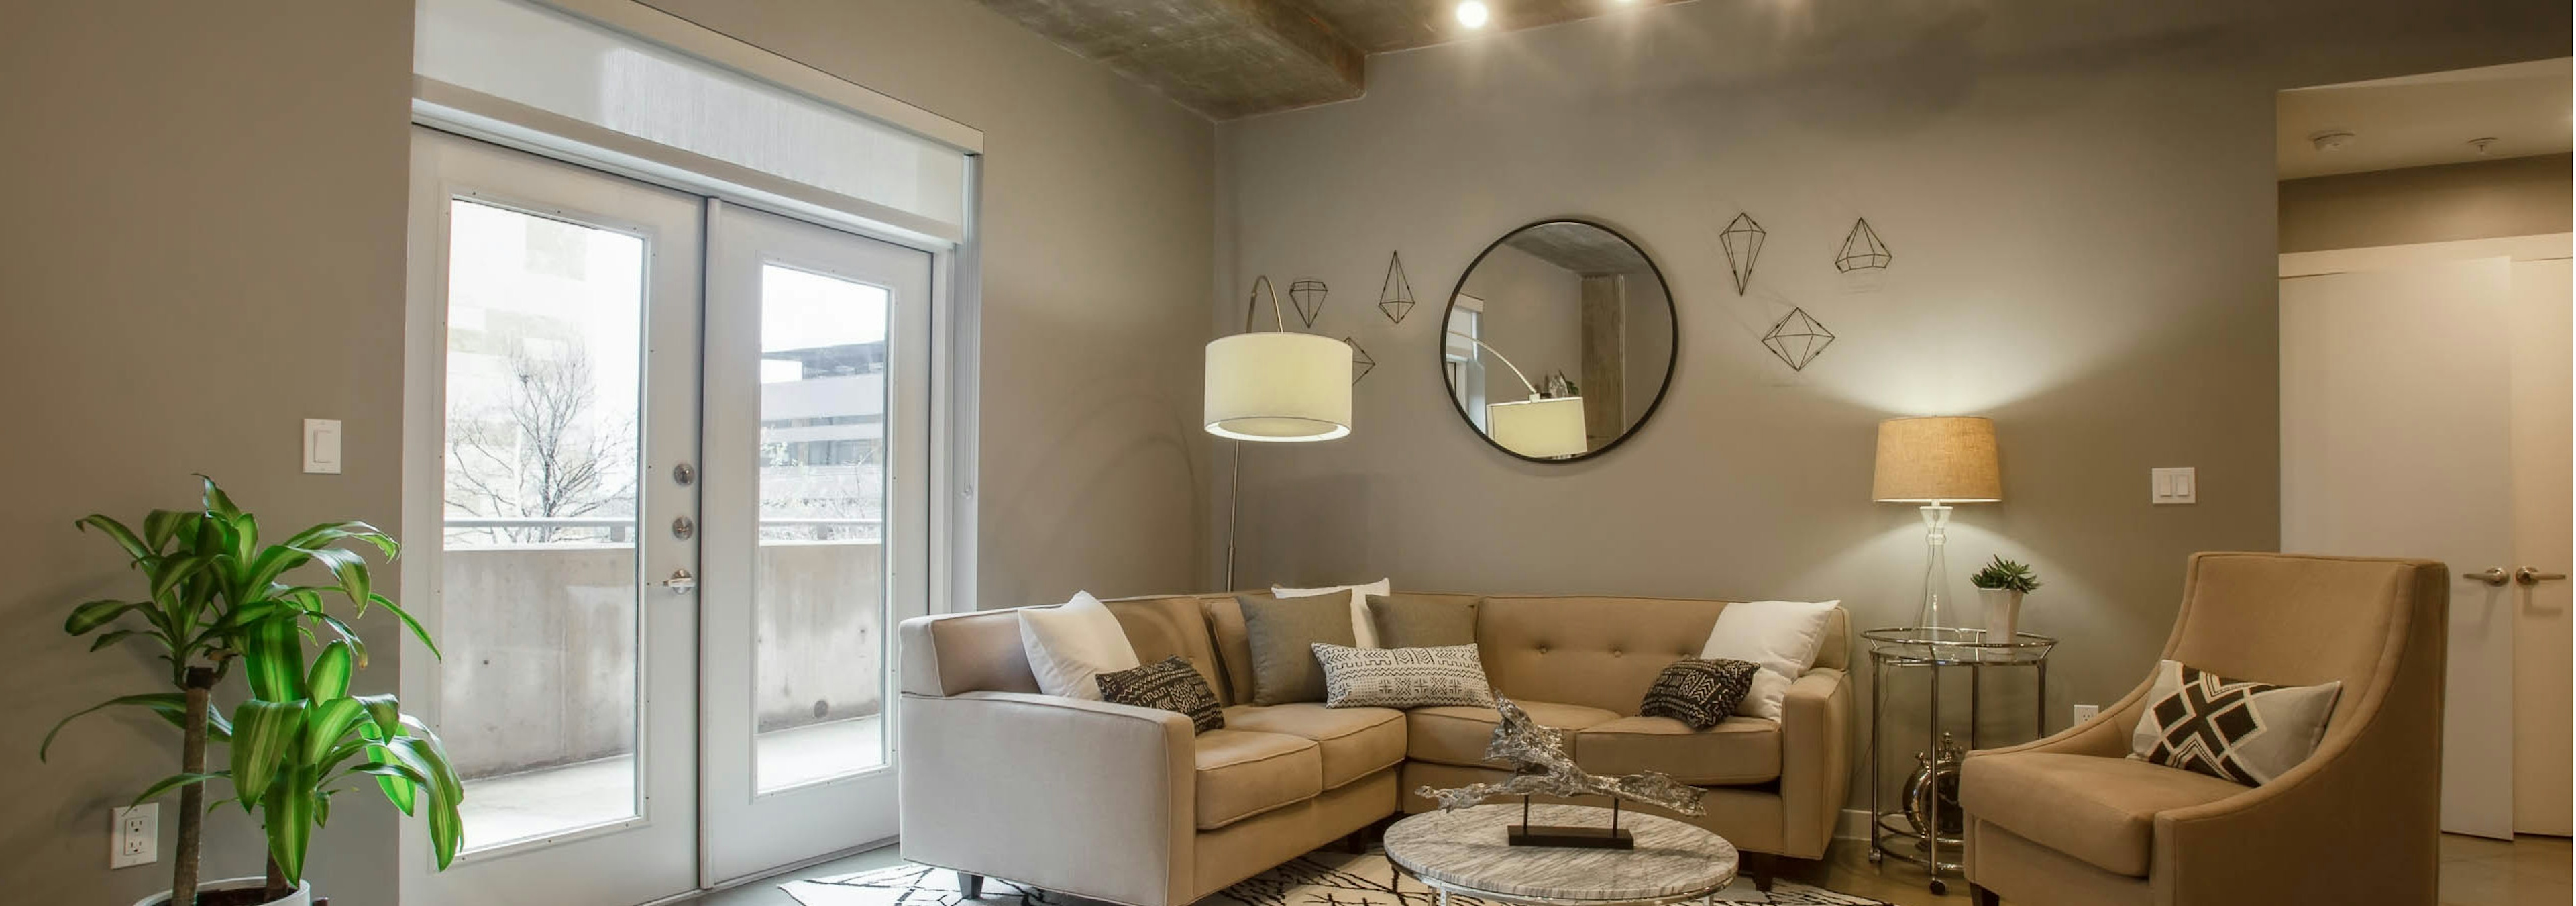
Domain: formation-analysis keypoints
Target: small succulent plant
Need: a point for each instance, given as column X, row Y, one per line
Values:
column 2004, row 573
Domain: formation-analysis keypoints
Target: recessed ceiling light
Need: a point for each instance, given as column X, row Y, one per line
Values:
column 2481, row 144
column 2331, row 139
column 1472, row 13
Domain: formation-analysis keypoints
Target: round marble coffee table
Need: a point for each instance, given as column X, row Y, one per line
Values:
column 1465, row 852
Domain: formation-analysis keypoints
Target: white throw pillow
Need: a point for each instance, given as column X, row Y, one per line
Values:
column 1780, row 636
column 1361, row 628
column 1069, row 645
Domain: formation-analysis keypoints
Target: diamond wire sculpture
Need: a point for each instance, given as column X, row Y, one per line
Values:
column 1862, row 250
column 1395, row 296
column 1541, row 767
column 1742, row 240
column 1797, row 339
column 1361, row 363
column 1308, row 297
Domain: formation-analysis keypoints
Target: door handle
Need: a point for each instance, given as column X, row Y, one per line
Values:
column 2530, row 576
column 2495, row 576
column 681, row 582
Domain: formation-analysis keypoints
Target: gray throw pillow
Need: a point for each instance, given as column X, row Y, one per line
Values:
column 1283, row 633
column 1416, row 621
column 1403, row 677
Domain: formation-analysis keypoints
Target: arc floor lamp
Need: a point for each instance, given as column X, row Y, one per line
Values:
column 1277, row 386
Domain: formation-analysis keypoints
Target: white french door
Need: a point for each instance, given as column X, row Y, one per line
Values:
column 672, row 453
column 817, row 440
column 553, row 386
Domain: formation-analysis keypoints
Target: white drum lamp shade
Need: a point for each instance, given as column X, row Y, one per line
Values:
column 1278, row 387
column 1539, row 429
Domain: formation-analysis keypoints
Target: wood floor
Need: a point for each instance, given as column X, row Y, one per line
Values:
column 2475, row 872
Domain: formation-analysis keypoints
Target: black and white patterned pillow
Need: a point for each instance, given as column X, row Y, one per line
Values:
column 2236, row 730
column 1403, row 677
column 1170, row 684
column 1699, row 692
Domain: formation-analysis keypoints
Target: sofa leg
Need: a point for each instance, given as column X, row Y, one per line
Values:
column 970, row 886
column 1763, row 868
column 1983, row 897
column 1355, row 842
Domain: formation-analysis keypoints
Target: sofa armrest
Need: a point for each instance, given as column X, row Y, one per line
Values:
column 1815, row 759
column 1082, row 797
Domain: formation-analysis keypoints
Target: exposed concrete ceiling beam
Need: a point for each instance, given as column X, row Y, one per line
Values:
column 1222, row 58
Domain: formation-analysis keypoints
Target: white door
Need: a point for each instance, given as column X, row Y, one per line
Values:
column 553, row 389
column 2541, row 495
column 817, row 454
column 2407, row 402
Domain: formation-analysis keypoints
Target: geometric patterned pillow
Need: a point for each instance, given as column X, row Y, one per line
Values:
column 1170, row 684
column 1403, row 677
column 2235, row 730
column 1698, row 692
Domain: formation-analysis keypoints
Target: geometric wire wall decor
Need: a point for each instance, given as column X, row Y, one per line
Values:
column 1307, row 296
column 1862, row 250
column 1361, row 362
column 1797, row 339
column 1395, row 296
column 1742, row 240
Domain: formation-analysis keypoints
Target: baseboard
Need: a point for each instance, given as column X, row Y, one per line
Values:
column 1853, row 826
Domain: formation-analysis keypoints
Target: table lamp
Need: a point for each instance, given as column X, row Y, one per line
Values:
column 1936, row 461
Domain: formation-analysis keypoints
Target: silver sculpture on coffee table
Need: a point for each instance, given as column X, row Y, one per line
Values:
column 1542, row 767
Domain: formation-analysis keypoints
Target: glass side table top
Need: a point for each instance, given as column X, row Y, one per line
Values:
column 1955, row 645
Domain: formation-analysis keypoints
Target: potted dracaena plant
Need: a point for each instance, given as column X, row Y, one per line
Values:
column 2000, row 587
column 218, row 603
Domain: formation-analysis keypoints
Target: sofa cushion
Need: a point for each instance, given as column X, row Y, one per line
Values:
column 1283, row 633
column 1737, row 750
column 2100, row 810
column 1423, row 621
column 1354, row 742
column 1457, row 734
column 1242, row 773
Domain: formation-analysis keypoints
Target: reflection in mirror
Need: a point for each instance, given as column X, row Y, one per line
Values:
column 1559, row 341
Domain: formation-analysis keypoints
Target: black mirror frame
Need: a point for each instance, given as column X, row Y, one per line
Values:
column 1672, row 355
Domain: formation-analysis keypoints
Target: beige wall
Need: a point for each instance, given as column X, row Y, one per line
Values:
column 2080, row 200
column 204, row 244
column 2517, row 196
column 1097, row 194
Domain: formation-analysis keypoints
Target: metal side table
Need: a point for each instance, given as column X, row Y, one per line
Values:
column 1936, row 650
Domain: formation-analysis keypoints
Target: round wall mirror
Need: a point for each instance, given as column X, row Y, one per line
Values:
column 1559, row 341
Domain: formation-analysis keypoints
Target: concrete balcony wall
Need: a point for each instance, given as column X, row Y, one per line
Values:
column 541, row 643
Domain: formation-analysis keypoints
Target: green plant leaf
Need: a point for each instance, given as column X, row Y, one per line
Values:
column 174, row 571
column 402, row 788
column 173, row 702
column 325, row 724
column 94, row 614
column 287, row 814
column 217, row 501
column 162, row 525
column 264, row 734
column 110, row 638
column 405, row 616
column 330, row 678
column 330, row 532
column 123, row 536
column 273, row 658
column 172, row 782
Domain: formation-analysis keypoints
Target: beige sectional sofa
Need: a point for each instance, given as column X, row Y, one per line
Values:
column 1127, row 805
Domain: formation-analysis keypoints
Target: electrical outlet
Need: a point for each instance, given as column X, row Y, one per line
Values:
column 134, row 835
column 2085, row 712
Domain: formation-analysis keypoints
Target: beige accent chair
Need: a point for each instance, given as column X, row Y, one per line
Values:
column 2070, row 819
column 1127, row 805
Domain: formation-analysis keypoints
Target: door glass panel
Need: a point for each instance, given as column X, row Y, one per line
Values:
column 819, row 694
column 538, row 682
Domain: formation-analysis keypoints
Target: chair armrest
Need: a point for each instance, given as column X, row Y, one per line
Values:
column 1815, row 759
column 2106, row 735
column 1075, row 796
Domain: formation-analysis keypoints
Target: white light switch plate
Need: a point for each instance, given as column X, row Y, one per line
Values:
column 2173, row 486
column 134, row 835
column 321, row 446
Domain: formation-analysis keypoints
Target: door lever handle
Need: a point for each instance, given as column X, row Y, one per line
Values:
column 681, row 582
column 2530, row 576
column 2495, row 576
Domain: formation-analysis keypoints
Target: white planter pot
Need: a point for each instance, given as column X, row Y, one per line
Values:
column 303, row 895
column 2003, row 614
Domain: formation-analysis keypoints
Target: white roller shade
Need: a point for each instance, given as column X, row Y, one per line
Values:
column 544, row 59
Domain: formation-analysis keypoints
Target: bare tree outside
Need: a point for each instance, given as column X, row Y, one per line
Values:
column 542, row 452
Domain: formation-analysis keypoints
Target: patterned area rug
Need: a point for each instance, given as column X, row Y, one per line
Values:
column 1315, row 879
